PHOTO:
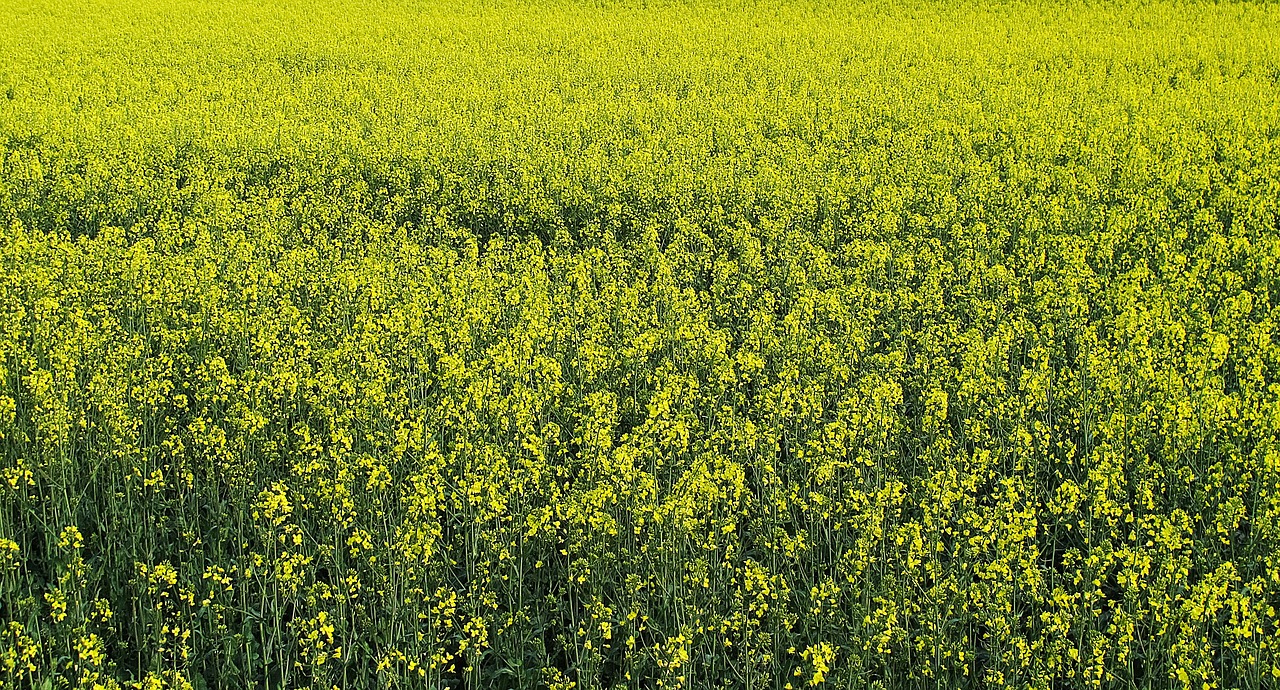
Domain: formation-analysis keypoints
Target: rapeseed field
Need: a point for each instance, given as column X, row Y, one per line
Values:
column 516, row 344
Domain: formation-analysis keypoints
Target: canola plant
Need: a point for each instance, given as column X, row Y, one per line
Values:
column 516, row 344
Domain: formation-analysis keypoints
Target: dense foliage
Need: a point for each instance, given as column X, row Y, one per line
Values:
column 529, row 345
